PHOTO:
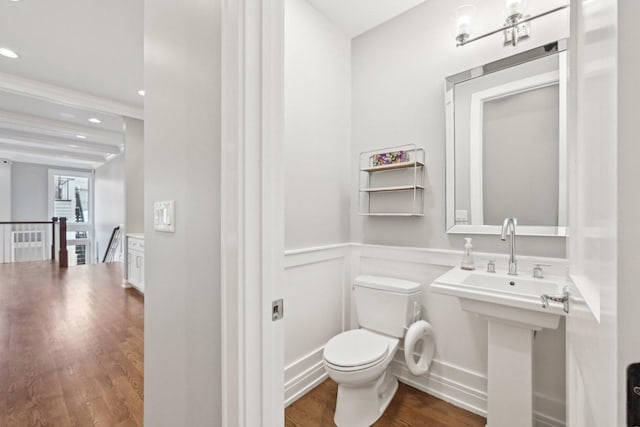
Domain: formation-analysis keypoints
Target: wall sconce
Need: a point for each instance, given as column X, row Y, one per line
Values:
column 465, row 15
column 516, row 26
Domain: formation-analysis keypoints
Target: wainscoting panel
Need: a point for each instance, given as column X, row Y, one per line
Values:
column 318, row 306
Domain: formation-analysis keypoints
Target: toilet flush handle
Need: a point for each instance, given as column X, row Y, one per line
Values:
column 417, row 311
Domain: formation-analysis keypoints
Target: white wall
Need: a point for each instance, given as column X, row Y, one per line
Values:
column 317, row 295
column 182, row 163
column 30, row 191
column 317, row 128
column 628, row 292
column 317, row 187
column 5, row 191
column 109, row 203
column 398, row 74
column 134, row 174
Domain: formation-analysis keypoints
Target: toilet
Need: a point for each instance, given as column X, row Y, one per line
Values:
column 388, row 310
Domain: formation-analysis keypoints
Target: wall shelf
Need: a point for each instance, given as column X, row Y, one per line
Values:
column 393, row 188
column 392, row 166
column 392, row 182
column 389, row 214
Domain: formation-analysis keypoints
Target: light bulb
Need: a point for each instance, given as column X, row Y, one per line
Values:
column 464, row 21
column 515, row 7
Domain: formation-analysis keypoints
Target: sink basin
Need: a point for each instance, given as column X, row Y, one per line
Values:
column 505, row 297
column 514, row 311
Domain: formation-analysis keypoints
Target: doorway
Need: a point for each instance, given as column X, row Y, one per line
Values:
column 71, row 196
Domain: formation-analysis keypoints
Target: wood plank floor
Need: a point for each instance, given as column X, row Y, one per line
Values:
column 71, row 347
column 409, row 408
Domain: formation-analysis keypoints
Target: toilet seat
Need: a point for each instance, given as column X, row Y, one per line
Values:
column 356, row 349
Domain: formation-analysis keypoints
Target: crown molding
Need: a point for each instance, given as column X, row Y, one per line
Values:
column 20, row 85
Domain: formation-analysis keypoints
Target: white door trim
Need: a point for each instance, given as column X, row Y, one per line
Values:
column 252, row 212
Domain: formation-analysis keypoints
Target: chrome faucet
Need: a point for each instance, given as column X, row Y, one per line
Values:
column 509, row 227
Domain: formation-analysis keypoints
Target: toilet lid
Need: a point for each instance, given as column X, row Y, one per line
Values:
column 355, row 348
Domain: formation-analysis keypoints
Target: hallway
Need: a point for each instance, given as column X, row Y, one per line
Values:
column 71, row 346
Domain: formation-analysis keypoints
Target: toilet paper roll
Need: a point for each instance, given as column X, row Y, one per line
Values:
column 420, row 330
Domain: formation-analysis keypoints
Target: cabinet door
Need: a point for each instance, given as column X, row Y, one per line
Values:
column 130, row 267
column 141, row 273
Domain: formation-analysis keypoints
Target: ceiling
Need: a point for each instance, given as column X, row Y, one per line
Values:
column 34, row 130
column 78, row 59
column 355, row 17
column 92, row 50
column 89, row 46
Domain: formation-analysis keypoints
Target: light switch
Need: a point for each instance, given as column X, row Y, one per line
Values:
column 164, row 216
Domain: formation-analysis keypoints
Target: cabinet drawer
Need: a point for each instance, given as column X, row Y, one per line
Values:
column 136, row 244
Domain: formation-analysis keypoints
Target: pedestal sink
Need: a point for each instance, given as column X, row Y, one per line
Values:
column 512, row 305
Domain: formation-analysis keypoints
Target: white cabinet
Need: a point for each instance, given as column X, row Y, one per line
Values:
column 135, row 261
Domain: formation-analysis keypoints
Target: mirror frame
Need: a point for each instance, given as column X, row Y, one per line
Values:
column 559, row 47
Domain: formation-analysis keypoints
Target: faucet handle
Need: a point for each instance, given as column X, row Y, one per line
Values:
column 538, row 273
column 491, row 266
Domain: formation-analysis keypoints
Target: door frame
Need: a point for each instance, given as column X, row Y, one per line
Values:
column 252, row 212
column 70, row 224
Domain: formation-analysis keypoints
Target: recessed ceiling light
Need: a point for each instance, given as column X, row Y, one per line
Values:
column 141, row 92
column 81, row 136
column 95, row 120
column 8, row 53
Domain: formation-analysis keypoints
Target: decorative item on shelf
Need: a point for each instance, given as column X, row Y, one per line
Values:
column 390, row 158
column 516, row 26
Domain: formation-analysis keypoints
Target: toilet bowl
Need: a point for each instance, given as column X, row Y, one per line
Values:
column 358, row 356
column 358, row 359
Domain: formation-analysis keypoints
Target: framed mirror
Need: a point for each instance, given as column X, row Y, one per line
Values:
column 506, row 144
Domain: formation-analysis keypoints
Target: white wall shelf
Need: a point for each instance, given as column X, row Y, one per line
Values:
column 392, row 166
column 392, row 182
column 389, row 214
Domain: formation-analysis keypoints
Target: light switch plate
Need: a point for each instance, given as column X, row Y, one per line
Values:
column 164, row 216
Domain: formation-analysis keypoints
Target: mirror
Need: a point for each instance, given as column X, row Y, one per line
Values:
column 506, row 144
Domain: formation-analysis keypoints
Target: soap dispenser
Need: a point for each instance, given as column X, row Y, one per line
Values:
column 467, row 258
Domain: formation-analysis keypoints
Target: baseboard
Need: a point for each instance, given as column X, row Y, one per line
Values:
column 464, row 389
column 461, row 389
column 308, row 371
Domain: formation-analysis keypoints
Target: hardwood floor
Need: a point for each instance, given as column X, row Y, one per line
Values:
column 71, row 347
column 409, row 407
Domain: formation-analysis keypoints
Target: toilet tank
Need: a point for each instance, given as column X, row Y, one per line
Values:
column 386, row 305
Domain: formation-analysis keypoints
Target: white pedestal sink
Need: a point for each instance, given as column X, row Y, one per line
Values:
column 513, row 308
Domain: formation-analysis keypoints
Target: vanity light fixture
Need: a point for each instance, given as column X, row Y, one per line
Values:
column 516, row 26
column 8, row 53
